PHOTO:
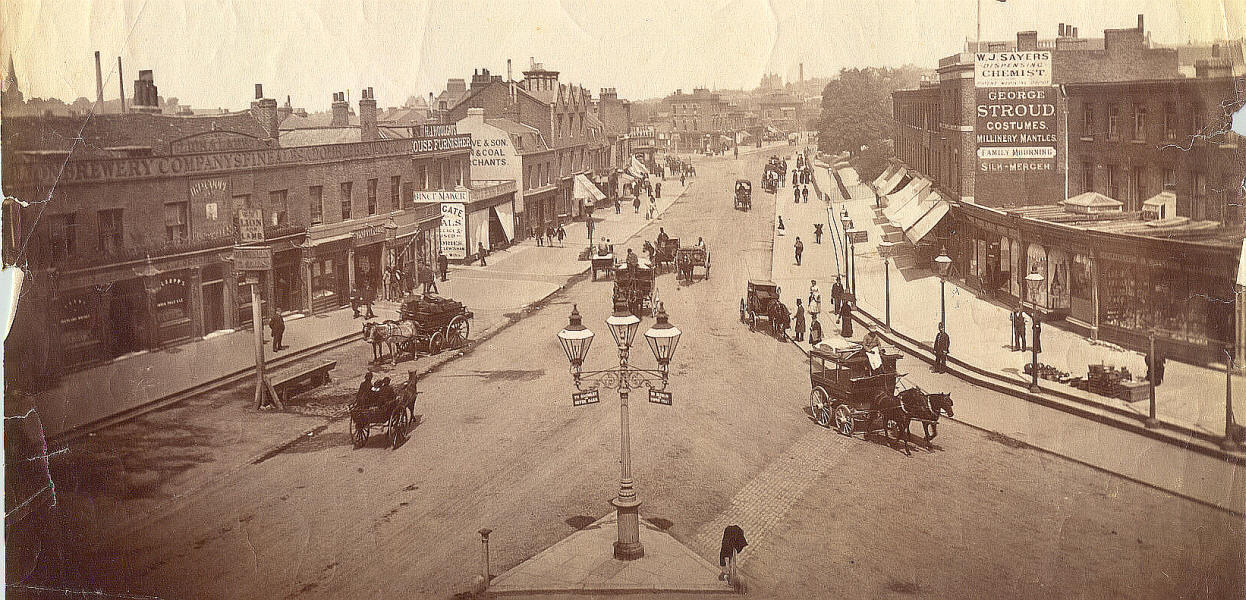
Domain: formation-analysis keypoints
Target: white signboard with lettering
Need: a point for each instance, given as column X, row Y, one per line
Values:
column 453, row 230
column 1012, row 69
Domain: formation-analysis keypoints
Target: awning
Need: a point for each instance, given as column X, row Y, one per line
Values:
column 505, row 214
column 587, row 191
column 893, row 182
column 887, row 173
column 1241, row 265
column 927, row 223
column 900, row 200
column 915, row 210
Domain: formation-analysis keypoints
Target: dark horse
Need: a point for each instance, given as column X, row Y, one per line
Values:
column 652, row 251
column 916, row 405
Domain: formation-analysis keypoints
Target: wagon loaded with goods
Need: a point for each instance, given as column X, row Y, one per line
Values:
column 439, row 322
column 686, row 259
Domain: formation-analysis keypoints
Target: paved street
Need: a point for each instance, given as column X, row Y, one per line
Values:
column 174, row 509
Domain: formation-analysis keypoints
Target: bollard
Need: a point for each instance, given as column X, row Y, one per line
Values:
column 484, row 566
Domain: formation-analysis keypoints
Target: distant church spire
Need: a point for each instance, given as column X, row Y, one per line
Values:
column 10, row 80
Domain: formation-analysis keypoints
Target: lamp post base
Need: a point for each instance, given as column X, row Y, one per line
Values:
column 1228, row 444
column 1151, row 423
column 628, row 547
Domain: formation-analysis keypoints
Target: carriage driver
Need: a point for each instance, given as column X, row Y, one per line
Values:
column 633, row 261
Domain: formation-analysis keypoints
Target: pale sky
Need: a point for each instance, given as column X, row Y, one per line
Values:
column 209, row 53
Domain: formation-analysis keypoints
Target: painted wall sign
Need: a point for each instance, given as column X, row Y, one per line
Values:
column 453, row 230
column 1015, row 130
column 250, row 225
column 1012, row 69
column 253, row 259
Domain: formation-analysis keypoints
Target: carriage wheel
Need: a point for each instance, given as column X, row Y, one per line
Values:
column 843, row 419
column 456, row 332
column 397, row 427
column 752, row 321
column 743, row 314
column 359, row 433
column 817, row 400
column 436, row 342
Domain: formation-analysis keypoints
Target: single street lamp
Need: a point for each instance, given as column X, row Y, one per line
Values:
column 1229, row 443
column 1034, row 282
column 885, row 249
column 663, row 338
column 943, row 262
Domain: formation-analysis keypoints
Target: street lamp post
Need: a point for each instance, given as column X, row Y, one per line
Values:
column 1152, row 421
column 885, row 247
column 943, row 262
column 1229, row 442
column 1034, row 280
column 663, row 339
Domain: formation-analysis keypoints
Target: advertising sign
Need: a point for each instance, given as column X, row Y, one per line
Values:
column 584, row 398
column 1015, row 129
column 453, row 230
column 259, row 258
column 660, row 397
column 1012, row 69
column 250, row 225
column 858, row 237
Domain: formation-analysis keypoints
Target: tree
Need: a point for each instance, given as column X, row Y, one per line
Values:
column 856, row 114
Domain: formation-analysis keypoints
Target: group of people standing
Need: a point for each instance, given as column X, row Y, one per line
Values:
column 841, row 303
column 547, row 236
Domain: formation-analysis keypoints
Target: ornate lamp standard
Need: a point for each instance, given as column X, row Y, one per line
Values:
column 1034, row 282
column 943, row 262
column 663, row 338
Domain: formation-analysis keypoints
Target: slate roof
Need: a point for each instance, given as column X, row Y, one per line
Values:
column 129, row 130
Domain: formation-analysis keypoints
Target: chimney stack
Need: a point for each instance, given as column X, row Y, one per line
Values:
column 368, row 130
column 1140, row 23
column 1060, row 30
column 341, row 110
column 265, row 111
column 99, row 84
column 146, row 99
column 1074, row 32
column 508, row 70
column 121, row 83
column 802, row 72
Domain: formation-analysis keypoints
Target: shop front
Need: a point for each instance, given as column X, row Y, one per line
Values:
column 81, row 327
column 330, row 287
column 171, row 302
column 490, row 217
column 416, row 244
column 367, row 244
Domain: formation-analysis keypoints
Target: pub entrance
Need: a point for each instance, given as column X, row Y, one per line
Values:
column 126, row 331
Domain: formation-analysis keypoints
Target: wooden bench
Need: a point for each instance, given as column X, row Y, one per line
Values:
column 299, row 379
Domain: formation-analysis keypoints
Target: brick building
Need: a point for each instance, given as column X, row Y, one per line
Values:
column 131, row 248
column 698, row 120
column 1132, row 220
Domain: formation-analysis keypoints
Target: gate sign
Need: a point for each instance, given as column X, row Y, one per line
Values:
column 660, row 397
column 250, row 225
column 253, row 258
column 584, row 398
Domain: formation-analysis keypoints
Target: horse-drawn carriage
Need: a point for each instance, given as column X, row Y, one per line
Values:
column 602, row 259
column 686, row 259
column 427, row 322
column 381, row 407
column 761, row 301
column 663, row 254
column 633, row 284
column 743, row 194
column 855, row 389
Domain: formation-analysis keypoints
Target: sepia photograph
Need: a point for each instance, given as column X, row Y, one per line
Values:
column 301, row 299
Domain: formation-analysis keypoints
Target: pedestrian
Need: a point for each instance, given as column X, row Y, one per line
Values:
column 562, row 234
column 1155, row 368
column 805, row 193
column 815, row 331
column 683, row 178
column 540, row 241
column 549, row 236
column 1021, row 331
column 443, row 265
column 817, row 233
column 355, row 301
column 480, row 251
column 369, row 296
column 845, row 315
column 1037, row 345
column 796, row 194
column 799, row 323
column 781, row 229
column 815, row 304
column 657, row 189
column 941, row 344
column 653, row 207
column 636, row 204
column 837, row 295
column 800, row 249
column 618, row 206
column 278, row 327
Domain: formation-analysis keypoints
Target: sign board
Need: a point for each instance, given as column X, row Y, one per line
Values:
column 253, row 258
column 453, row 230
column 584, row 398
column 365, row 236
column 250, row 225
column 660, row 397
column 1012, row 69
column 1015, row 129
column 858, row 236
column 438, row 144
column 439, row 129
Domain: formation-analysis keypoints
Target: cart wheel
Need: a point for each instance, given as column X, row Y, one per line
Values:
column 359, row 433
column 817, row 403
column 743, row 317
column 752, row 321
column 843, row 419
column 456, row 332
column 397, row 428
column 436, row 342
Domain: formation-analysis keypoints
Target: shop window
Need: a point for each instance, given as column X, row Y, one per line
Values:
column 63, row 239
column 395, row 192
column 316, row 195
column 345, row 193
column 1088, row 177
column 242, row 201
column 371, row 196
column 1114, row 117
column 1081, row 277
column 111, row 231
column 175, row 221
column 423, row 178
column 1170, row 121
column 1113, row 182
column 278, row 208
column 1140, row 122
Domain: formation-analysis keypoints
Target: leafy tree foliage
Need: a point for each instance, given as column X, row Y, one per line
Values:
column 857, row 117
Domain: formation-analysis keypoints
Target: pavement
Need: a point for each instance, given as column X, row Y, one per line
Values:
column 517, row 276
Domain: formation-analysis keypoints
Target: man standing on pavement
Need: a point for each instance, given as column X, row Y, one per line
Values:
column 845, row 315
column 815, row 331
column 540, row 239
column 636, row 204
column 443, row 265
column 837, row 295
column 805, row 193
column 796, row 193
column 480, row 251
column 800, row 249
column 278, row 327
column 618, row 207
column 562, row 235
column 941, row 344
column 657, row 189
column 1018, row 330
column 369, row 296
column 355, row 301
column 817, row 233
column 799, row 323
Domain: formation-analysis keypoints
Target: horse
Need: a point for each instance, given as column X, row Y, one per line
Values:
column 651, row 250
column 376, row 334
column 920, row 406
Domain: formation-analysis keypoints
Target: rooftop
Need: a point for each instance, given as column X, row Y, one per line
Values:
column 114, row 135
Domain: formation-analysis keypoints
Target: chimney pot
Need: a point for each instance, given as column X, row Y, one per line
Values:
column 1215, row 50
column 1140, row 23
column 1060, row 30
column 259, row 91
column 1074, row 32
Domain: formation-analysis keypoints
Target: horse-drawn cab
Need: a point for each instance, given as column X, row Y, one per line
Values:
column 743, row 194
column 759, row 302
column 602, row 259
column 633, row 284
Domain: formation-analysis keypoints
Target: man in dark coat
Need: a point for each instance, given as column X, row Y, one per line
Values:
column 800, row 249
column 845, row 314
column 443, row 264
column 364, row 388
column 278, row 327
column 799, row 325
column 941, row 345
column 1018, row 327
column 1155, row 373
column 657, row 189
column 795, row 192
column 837, row 295
column 1038, row 331
column 355, row 301
column 804, row 192
column 480, row 251
column 369, row 296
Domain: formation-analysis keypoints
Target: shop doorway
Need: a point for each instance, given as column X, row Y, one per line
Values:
column 126, row 314
column 213, row 306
